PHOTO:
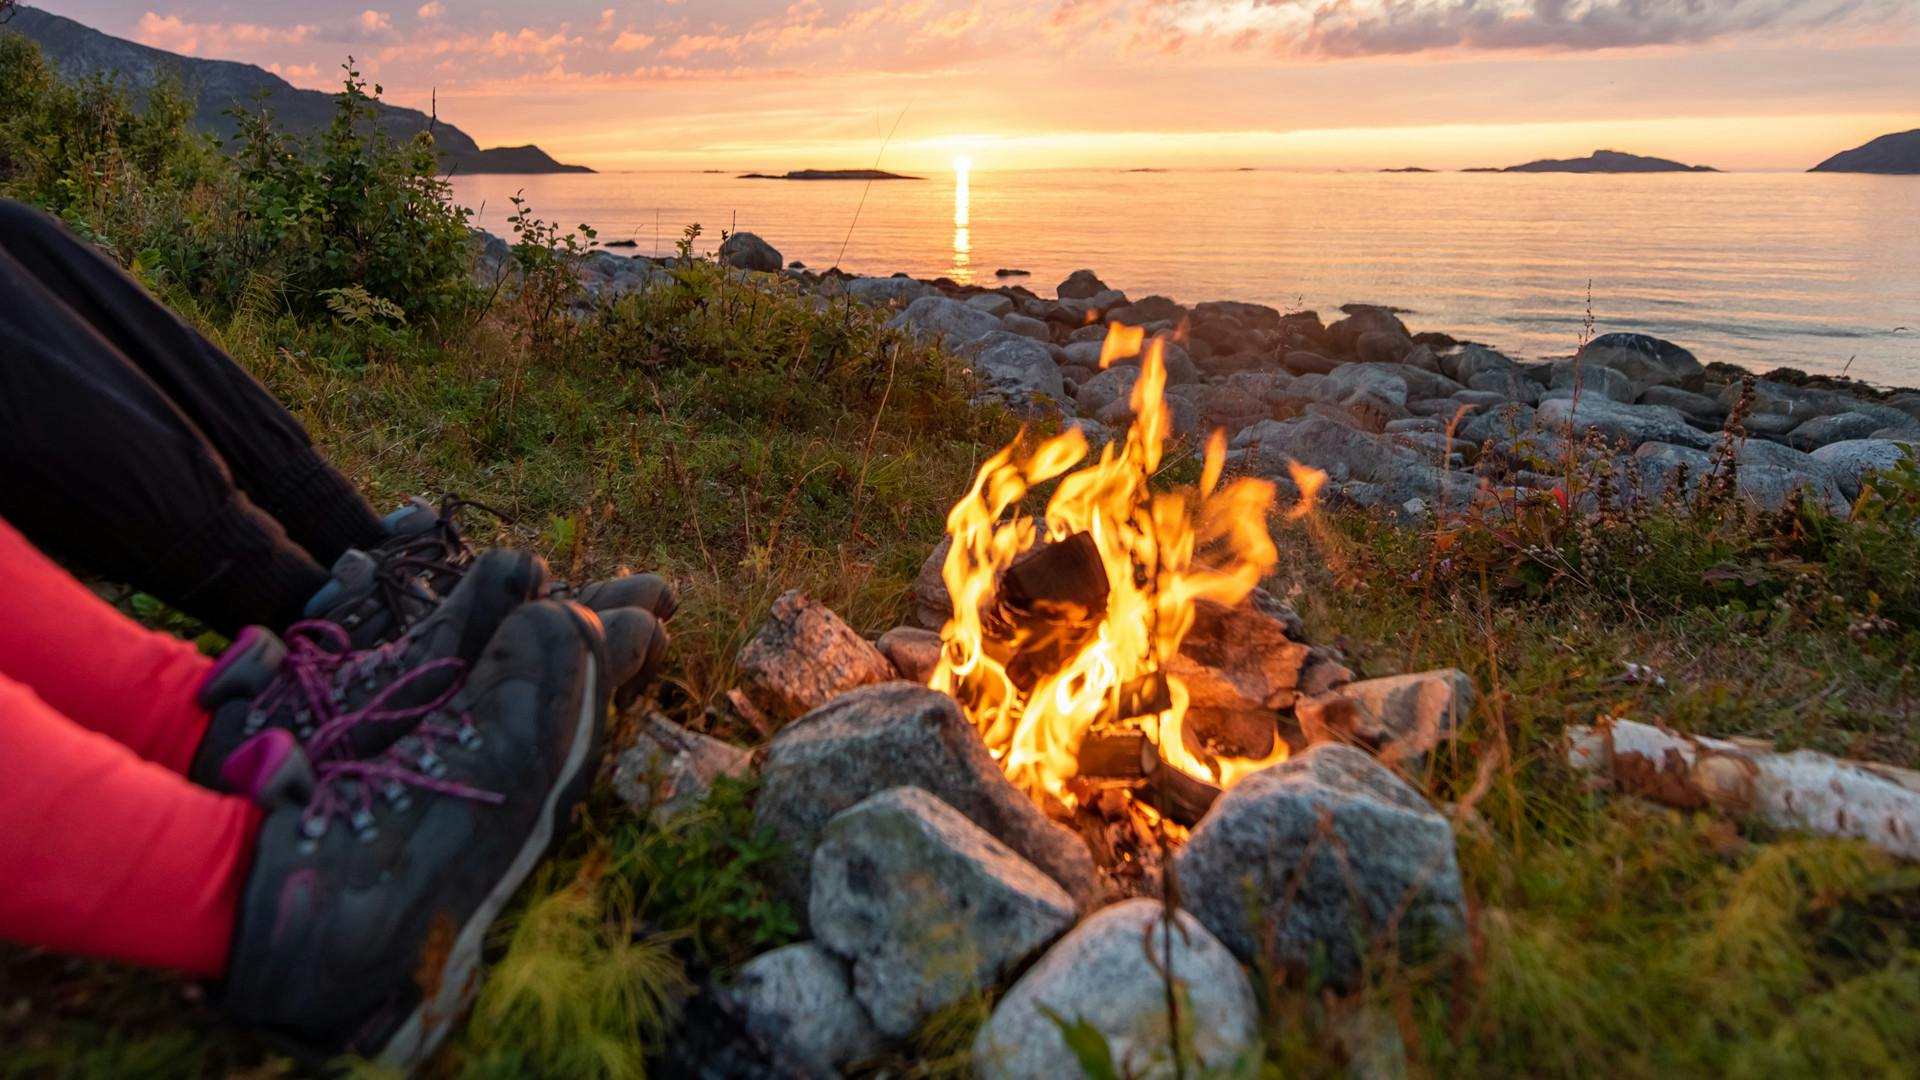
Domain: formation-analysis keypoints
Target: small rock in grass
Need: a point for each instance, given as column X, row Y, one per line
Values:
column 804, row 657
column 927, row 906
column 1100, row 975
column 669, row 770
column 1319, row 861
column 799, row 999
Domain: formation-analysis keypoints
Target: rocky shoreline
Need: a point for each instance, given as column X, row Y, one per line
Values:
column 1399, row 419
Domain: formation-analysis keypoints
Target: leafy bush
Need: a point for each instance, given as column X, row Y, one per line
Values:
column 352, row 208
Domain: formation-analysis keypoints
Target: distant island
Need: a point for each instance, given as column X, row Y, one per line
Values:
column 1602, row 161
column 76, row 51
column 830, row 174
column 1892, row 155
column 1411, row 168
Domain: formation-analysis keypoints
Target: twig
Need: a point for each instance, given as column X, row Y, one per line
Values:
column 863, row 191
column 866, row 452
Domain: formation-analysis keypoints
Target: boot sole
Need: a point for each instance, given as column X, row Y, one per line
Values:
column 426, row 1029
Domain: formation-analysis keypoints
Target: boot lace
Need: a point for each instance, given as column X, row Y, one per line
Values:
column 436, row 553
column 315, row 681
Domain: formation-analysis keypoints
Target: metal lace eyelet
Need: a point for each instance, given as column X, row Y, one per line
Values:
column 314, row 827
column 350, row 621
column 469, row 737
column 362, row 821
column 255, row 721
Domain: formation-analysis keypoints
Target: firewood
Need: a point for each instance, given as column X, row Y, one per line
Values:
column 1800, row 790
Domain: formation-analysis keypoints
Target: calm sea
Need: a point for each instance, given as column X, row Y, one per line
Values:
column 1816, row 271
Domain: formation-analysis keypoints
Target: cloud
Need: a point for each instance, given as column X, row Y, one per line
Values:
column 432, row 9
column 628, row 41
column 606, row 20
column 174, row 34
column 688, row 44
column 372, row 21
column 1354, row 28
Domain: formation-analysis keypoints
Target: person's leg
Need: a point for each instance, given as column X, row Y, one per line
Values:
column 109, row 856
column 104, row 472
column 94, row 665
column 270, row 455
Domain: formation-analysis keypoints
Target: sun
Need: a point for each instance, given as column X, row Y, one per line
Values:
column 962, row 163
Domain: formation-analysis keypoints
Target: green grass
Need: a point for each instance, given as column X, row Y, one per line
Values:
column 745, row 441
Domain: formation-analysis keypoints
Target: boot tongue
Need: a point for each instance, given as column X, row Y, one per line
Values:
column 352, row 575
column 269, row 769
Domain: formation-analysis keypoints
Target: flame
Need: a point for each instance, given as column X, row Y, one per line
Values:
column 1309, row 480
column 1148, row 543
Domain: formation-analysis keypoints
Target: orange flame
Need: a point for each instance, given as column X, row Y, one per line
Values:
column 1309, row 480
column 1148, row 544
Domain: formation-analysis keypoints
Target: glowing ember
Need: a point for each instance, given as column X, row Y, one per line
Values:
column 1037, row 693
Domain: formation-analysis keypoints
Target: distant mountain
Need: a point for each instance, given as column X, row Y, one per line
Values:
column 1603, row 161
column 1893, row 154
column 828, row 174
column 75, row 50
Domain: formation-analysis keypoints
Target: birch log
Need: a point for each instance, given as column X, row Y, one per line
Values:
column 1801, row 790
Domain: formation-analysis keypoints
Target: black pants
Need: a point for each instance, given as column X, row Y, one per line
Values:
column 132, row 448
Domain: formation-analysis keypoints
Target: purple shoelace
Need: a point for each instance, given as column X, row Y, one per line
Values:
column 319, row 664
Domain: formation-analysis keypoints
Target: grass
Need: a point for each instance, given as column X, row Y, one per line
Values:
column 746, row 440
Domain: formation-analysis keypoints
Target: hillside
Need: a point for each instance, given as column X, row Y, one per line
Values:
column 1603, row 161
column 1897, row 154
column 76, row 50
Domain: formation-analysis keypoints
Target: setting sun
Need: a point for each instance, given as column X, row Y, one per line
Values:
column 962, row 163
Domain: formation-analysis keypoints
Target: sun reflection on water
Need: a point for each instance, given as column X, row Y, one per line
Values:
column 962, row 271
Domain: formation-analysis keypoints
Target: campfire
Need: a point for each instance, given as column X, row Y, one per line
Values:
column 1065, row 630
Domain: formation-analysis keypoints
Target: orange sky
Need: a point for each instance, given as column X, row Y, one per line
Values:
column 1033, row 83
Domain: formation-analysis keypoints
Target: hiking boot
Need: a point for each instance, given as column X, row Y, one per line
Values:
column 636, row 647
column 378, row 593
column 362, row 922
column 346, row 703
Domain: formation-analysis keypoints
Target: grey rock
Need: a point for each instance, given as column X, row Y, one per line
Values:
column 1698, row 406
column 1594, row 379
column 1499, row 423
column 949, row 322
column 1086, row 353
column 1181, row 410
column 1635, row 423
column 1478, row 399
column 1096, row 433
column 1264, row 873
column 1362, row 319
column 668, row 770
column 799, row 998
column 1148, row 310
column 1095, row 333
column 1419, row 384
column 1510, row 385
column 1647, row 361
column 994, row 304
column 1401, row 717
column 1382, row 347
column 892, row 735
column 1427, row 424
column 1112, row 385
column 1343, row 452
column 745, row 251
column 926, row 906
column 887, row 290
column 1302, row 362
column 1838, row 427
column 1100, row 975
column 1079, row 285
column 1770, row 487
column 913, row 652
column 803, row 657
column 1106, row 300
column 932, row 605
column 1230, row 408
column 1026, row 326
column 1017, row 369
column 1855, row 458
column 1422, row 357
column 1473, row 360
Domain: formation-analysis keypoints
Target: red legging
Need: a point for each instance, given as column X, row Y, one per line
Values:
column 106, row 850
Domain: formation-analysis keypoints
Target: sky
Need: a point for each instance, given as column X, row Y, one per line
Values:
column 913, row 84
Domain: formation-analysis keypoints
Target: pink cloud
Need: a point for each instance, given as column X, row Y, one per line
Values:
column 628, row 41
column 433, row 9
column 688, row 44
column 174, row 34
